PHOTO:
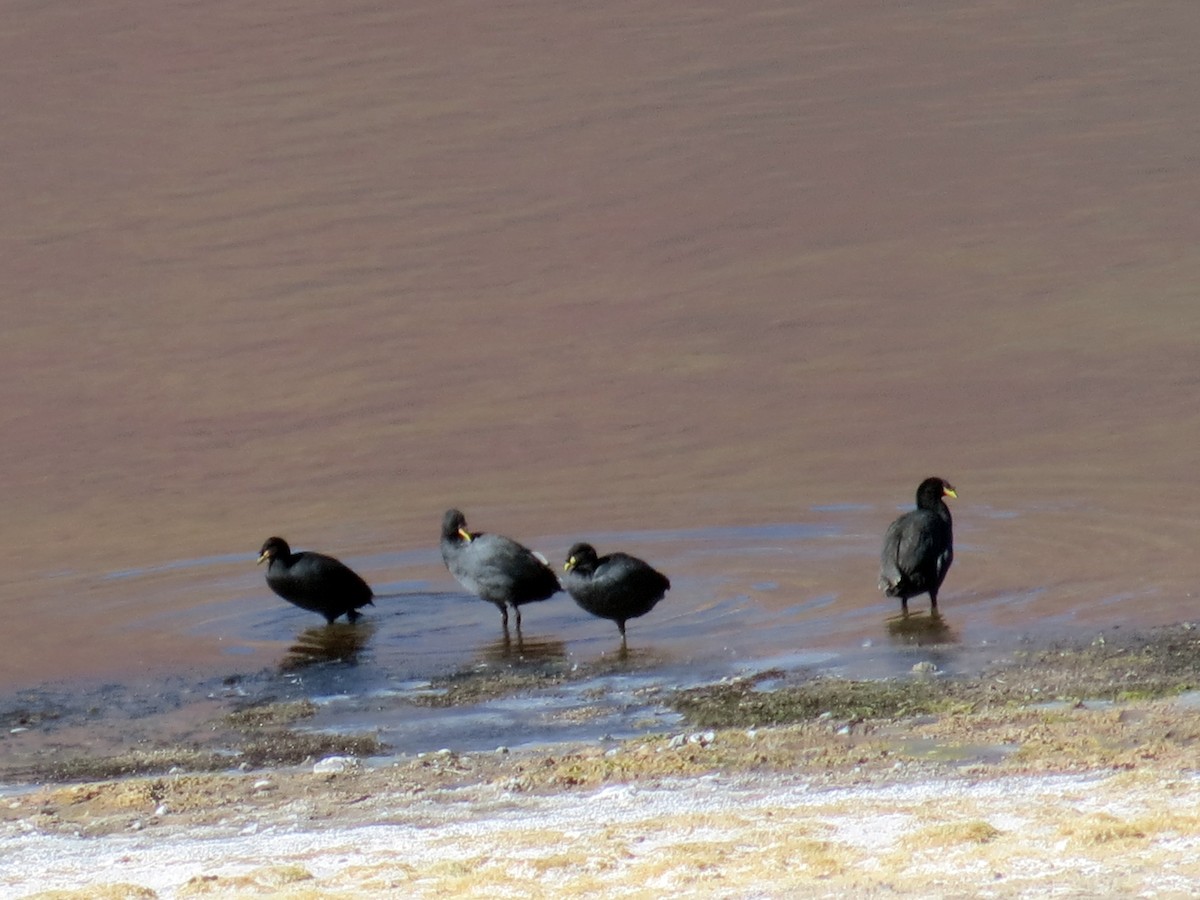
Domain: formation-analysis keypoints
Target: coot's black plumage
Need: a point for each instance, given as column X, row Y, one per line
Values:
column 494, row 567
column 314, row 581
column 919, row 546
column 617, row 586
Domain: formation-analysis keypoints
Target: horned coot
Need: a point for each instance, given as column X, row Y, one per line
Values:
column 617, row 586
column 314, row 581
column 919, row 546
column 494, row 567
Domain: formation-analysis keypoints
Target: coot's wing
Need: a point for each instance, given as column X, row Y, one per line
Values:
column 335, row 578
column 889, row 569
column 945, row 556
column 918, row 548
column 504, row 567
column 636, row 575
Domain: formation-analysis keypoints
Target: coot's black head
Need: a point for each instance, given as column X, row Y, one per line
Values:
column 931, row 492
column 454, row 526
column 581, row 557
column 272, row 548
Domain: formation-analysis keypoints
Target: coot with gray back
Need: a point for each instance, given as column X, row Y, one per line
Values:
column 496, row 568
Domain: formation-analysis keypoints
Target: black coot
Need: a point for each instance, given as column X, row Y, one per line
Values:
column 314, row 581
column 494, row 567
column 919, row 546
column 617, row 586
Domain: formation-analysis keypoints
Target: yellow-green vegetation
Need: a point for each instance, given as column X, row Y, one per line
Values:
column 974, row 831
column 265, row 880
column 98, row 892
column 1102, row 828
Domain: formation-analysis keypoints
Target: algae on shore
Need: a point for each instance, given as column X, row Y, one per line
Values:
column 1034, row 685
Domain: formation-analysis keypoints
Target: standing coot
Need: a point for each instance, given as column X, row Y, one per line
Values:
column 314, row 581
column 496, row 568
column 617, row 586
column 919, row 546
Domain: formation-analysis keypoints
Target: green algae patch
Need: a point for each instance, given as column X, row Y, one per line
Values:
column 470, row 688
column 741, row 703
column 1117, row 668
column 270, row 714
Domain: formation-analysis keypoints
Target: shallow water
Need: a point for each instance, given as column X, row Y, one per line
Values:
column 715, row 288
column 740, row 605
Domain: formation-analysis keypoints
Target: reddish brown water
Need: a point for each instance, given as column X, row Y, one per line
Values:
column 631, row 269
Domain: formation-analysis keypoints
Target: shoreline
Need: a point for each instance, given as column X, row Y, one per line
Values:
column 1072, row 767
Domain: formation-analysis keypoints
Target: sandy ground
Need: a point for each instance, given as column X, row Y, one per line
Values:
column 1100, row 834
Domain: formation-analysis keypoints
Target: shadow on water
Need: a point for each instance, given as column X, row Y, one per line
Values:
column 334, row 643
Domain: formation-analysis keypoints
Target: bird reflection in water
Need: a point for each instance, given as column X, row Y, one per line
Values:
column 524, row 650
column 623, row 658
column 334, row 643
column 921, row 631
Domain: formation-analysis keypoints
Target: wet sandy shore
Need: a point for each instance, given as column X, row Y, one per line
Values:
column 1071, row 769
